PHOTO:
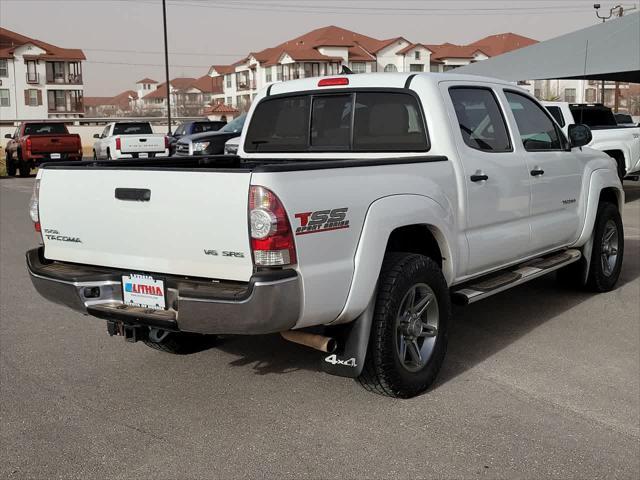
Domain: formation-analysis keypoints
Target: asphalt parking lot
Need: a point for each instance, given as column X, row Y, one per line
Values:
column 539, row 382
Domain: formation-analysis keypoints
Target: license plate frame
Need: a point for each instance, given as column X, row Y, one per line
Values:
column 145, row 291
column 55, row 156
column 143, row 155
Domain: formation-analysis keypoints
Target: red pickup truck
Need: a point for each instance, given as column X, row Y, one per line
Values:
column 34, row 143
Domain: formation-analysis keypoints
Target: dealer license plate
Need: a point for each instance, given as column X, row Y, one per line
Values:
column 143, row 291
column 143, row 155
column 55, row 156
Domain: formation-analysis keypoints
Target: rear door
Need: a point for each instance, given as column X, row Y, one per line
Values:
column 555, row 173
column 495, row 177
column 162, row 221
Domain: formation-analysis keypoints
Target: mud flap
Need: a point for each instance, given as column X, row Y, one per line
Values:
column 353, row 339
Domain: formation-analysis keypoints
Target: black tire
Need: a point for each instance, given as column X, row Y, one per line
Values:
column 24, row 168
column 621, row 167
column 384, row 372
column 10, row 164
column 181, row 343
column 108, row 154
column 599, row 280
column 95, row 155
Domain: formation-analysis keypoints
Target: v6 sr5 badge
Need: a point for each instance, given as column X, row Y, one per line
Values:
column 322, row 221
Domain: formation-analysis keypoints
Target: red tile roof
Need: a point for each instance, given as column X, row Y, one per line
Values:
column 207, row 84
column 224, row 69
column 121, row 100
column 9, row 41
column 147, row 80
column 449, row 50
column 502, row 43
column 219, row 108
column 410, row 47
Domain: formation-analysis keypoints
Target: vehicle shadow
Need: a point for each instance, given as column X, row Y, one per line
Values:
column 479, row 331
column 631, row 191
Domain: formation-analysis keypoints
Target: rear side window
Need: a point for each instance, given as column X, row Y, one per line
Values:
column 132, row 129
column 207, row 127
column 353, row 121
column 45, row 129
column 537, row 130
column 480, row 119
column 556, row 113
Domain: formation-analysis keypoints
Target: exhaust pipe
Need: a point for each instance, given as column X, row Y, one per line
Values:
column 319, row 342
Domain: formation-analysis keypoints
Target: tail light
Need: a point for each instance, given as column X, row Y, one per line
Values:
column 166, row 143
column 34, row 207
column 118, row 143
column 28, row 144
column 271, row 235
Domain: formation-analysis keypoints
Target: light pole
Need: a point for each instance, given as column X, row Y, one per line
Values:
column 166, row 66
column 604, row 19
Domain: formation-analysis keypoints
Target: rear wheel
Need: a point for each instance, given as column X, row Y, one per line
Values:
column 178, row 343
column 410, row 327
column 108, row 154
column 10, row 165
column 23, row 167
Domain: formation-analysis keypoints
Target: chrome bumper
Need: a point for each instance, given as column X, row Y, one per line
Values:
column 269, row 303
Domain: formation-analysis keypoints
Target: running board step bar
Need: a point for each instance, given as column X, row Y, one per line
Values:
column 484, row 287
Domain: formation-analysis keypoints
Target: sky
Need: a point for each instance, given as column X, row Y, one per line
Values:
column 123, row 39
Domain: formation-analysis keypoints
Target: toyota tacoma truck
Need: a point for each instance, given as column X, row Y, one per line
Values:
column 129, row 140
column 35, row 142
column 621, row 142
column 358, row 208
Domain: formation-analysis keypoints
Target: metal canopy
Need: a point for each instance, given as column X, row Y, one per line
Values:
column 606, row 51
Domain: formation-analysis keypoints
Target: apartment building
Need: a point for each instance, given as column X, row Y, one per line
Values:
column 325, row 50
column 119, row 105
column 189, row 96
column 39, row 80
column 584, row 91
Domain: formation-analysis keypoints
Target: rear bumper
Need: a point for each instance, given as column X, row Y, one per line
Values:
column 270, row 302
column 40, row 158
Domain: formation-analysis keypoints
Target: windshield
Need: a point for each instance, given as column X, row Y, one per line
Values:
column 234, row 126
column 132, row 129
column 45, row 129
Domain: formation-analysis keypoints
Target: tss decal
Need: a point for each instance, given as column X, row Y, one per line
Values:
column 322, row 221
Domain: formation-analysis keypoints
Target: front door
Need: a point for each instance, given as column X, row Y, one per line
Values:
column 555, row 173
column 496, row 180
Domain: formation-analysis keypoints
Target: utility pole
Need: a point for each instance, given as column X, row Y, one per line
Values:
column 166, row 65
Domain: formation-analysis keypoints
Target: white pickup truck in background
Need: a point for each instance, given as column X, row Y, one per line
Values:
column 357, row 209
column 129, row 140
column 619, row 141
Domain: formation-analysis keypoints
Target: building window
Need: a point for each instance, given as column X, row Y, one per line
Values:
column 279, row 70
column 416, row 55
column 434, row 68
column 4, row 97
column 390, row 67
column 230, row 101
column 446, row 68
column 55, row 72
column 358, row 67
column 33, row 97
column 268, row 76
column 228, row 78
column 4, row 67
column 590, row 95
column 416, row 67
column 570, row 95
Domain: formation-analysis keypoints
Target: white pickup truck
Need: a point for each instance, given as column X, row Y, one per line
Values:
column 129, row 140
column 358, row 208
column 622, row 142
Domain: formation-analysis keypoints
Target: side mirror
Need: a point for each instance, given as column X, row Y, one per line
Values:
column 96, row 135
column 579, row 135
column 8, row 135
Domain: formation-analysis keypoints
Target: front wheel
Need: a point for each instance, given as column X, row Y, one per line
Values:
column 410, row 326
column 608, row 249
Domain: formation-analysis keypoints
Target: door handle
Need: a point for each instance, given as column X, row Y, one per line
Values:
column 536, row 172
column 479, row 177
column 133, row 194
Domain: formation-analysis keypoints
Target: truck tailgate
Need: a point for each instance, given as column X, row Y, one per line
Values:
column 194, row 223
column 142, row 143
column 55, row 143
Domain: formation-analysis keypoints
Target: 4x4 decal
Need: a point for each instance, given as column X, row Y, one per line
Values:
column 322, row 221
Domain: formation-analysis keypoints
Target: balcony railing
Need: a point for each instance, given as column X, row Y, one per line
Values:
column 33, row 77
column 62, row 79
column 77, row 107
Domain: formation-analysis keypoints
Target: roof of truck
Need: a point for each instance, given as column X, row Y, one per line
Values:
column 383, row 80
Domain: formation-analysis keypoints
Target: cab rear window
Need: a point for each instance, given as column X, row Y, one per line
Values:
column 364, row 121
